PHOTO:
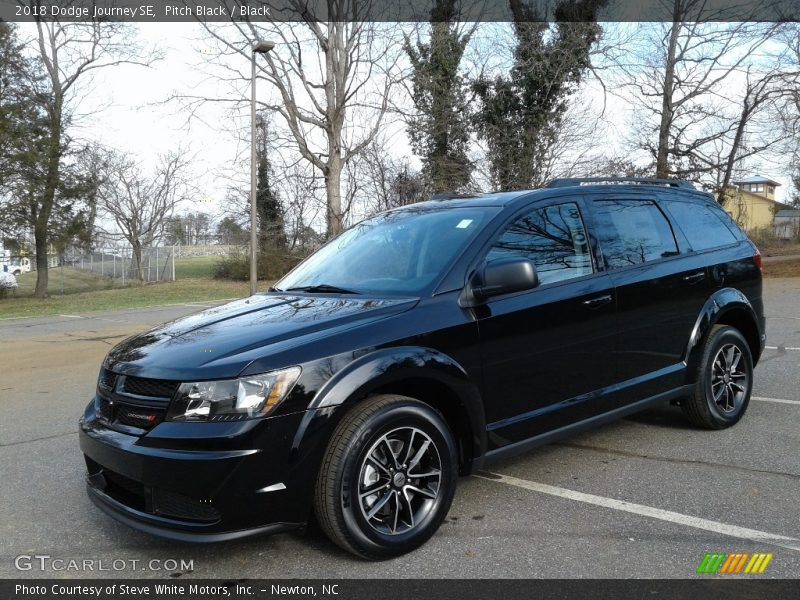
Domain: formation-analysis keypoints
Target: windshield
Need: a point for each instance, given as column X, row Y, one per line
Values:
column 401, row 252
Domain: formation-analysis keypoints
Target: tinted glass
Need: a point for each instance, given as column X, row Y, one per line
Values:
column 702, row 227
column 399, row 252
column 632, row 232
column 552, row 237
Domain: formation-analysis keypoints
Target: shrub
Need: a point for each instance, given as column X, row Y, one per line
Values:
column 272, row 263
column 7, row 284
column 763, row 236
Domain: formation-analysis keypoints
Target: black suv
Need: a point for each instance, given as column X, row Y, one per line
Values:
column 419, row 345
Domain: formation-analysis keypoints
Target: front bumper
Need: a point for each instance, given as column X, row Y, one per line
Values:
column 200, row 482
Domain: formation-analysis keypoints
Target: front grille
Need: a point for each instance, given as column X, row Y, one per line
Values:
column 153, row 388
column 172, row 504
column 137, row 416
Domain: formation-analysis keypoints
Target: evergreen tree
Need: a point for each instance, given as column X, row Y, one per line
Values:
column 520, row 113
column 25, row 139
column 271, row 227
column 439, row 131
column 230, row 233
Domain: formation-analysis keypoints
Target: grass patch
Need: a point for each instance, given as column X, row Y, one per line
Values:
column 65, row 280
column 782, row 268
column 137, row 296
column 195, row 266
column 780, row 249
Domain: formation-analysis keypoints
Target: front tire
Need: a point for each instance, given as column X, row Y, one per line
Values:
column 388, row 477
column 724, row 380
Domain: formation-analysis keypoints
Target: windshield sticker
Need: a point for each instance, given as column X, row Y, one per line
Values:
column 464, row 223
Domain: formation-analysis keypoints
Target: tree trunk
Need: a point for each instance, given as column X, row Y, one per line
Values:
column 333, row 191
column 48, row 197
column 137, row 256
column 40, row 237
column 734, row 152
column 662, row 155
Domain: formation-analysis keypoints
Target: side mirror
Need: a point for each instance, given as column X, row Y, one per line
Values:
column 504, row 276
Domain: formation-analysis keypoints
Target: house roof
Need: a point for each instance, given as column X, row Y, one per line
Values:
column 788, row 212
column 757, row 179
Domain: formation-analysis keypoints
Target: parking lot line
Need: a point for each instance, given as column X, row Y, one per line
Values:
column 776, row 400
column 744, row 533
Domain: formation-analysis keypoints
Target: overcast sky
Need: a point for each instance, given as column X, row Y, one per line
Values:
column 129, row 111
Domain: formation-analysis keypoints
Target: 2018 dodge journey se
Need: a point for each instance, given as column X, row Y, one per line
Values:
column 419, row 345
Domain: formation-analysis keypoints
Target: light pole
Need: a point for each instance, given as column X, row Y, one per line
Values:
column 258, row 48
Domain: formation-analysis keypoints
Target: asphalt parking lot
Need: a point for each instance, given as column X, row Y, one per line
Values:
column 646, row 496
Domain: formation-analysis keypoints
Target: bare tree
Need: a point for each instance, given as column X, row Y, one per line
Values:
column 141, row 205
column 300, row 187
column 758, row 103
column 682, row 89
column 788, row 113
column 333, row 80
column 387, row 182
column 71, row 53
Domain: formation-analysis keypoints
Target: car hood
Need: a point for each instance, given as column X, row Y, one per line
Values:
column 221, row 341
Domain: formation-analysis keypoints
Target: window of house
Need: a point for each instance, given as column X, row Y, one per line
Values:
column 632, row 232
column 553, row 237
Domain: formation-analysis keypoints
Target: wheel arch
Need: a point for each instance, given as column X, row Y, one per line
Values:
column 421, row 373
column 727, row 306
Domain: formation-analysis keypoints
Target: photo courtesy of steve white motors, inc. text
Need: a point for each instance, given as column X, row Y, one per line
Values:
column 172, row 589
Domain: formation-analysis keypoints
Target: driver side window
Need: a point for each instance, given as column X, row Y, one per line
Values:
column 553, row 237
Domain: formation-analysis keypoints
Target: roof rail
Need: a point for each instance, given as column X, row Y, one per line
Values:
column 578, row 181
column 452, row 196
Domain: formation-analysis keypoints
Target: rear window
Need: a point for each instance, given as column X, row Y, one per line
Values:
column 632, row 232
column 702, row 226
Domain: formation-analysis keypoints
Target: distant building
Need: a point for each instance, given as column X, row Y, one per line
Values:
column 752, row 202
column 787, row 223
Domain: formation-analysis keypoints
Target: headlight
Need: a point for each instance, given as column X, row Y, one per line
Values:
column 232, row 399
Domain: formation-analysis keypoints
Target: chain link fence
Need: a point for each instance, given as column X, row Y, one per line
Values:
column 73, row 272
column 117, row 266
column 156, row 263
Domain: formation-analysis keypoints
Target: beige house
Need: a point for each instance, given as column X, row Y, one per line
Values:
column 752, row 202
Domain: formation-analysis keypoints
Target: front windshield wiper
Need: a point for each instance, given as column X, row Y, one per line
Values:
column 322, row 288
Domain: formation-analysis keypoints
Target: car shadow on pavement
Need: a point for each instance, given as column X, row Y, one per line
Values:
column 662, row 416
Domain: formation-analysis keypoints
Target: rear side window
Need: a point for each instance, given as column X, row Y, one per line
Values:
column 702, row 227
column 553, row 237
column 632, row 232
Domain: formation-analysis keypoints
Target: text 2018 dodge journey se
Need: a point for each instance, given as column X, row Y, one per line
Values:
column 419, row 345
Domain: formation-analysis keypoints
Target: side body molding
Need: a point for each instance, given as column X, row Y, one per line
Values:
column 721, row 302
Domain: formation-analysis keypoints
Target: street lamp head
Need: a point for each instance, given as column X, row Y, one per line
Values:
column 262, row 47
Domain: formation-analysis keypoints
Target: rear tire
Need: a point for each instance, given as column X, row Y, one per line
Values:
column 724, row 380
column 388, row 477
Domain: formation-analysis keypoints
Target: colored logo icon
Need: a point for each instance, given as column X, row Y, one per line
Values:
column 734, row 564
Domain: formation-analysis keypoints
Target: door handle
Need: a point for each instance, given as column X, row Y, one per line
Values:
column 695, row 277
column 598, row 301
